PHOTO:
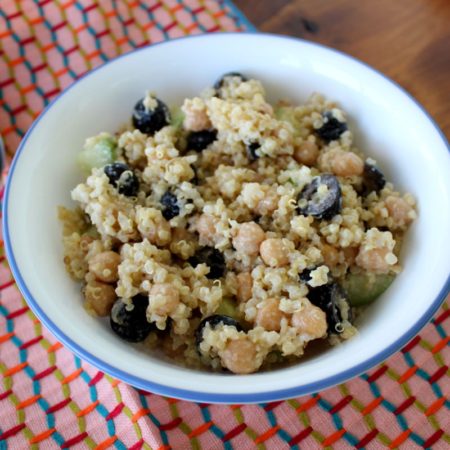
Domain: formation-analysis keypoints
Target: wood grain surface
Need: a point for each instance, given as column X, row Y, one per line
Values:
column 408, row 40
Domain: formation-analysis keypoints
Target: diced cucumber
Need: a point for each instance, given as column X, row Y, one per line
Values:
column 228, row 307
column 287, row 114
column 275, row 357
column 283, row 113
column 92, row 232
column 177, row 117
column 97, row 152
column 364, row 288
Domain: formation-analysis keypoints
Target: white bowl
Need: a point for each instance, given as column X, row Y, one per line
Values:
column 389, row 125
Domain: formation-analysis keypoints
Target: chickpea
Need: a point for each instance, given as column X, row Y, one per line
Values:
column 330, row 255
column 104, row 266
column 347, row 164
column 99, row 297
column 239, row 356
column 274, row 253
column 249, row 238
column 206, row 228
column 244, row 286
column 165, row 297
column 306, row 153
column 269, row 315
column 373, row 260
column 399, row 210
column 311, row 321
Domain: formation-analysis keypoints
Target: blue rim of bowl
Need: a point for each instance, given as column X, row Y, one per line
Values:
column 194, row 395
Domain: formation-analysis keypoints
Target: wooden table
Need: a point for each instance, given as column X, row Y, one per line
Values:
column 408, row 40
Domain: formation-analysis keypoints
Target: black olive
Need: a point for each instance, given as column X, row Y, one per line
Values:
column 251, row 151
column 327, row 297
column 305, row 276
column 132, row 325
column 195, row 180
column 199, row 140
column 171, row 208
column 114, row 171
column 321, row 206
column 213, row 321
column 123, row 178
column 213, row 258
column 332, row 128
column 221, row 81
column 150, row 121
column 373, row 179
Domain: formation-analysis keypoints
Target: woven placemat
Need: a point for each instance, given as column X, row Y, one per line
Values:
column 50, row 399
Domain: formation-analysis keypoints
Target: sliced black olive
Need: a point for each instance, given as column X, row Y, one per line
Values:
column 195, row 180
column 123, row 178
column 131, row 325
column 213, row 321
column 305, row 276
column 199, row 140
column 321, row 206
column 328, row 298
column 171, row 208
column 221, row 81
column 373, row 179
column 251, row 150
column 213, row 258
column 332, row 128
column 150, row 121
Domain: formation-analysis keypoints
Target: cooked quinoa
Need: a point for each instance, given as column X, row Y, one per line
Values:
column 230, row 232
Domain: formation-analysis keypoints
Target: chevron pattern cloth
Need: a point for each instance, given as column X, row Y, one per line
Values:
column 51, row 399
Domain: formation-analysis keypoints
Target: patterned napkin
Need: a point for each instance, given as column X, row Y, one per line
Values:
column 50, row 399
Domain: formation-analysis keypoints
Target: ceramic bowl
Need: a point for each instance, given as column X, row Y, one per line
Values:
column 388, row 124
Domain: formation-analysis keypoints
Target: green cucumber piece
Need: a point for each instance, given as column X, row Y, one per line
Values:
column 287, row 114
column 228, row 307
column 98, row 151
column 275, row 357
column 92, row 232
column 364, row 288
column 177, row 117
column 283, row 113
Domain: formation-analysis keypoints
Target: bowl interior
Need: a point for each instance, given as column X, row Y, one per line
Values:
column 388, row 126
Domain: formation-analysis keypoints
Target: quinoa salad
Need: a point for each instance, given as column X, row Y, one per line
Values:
column 228, row 232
